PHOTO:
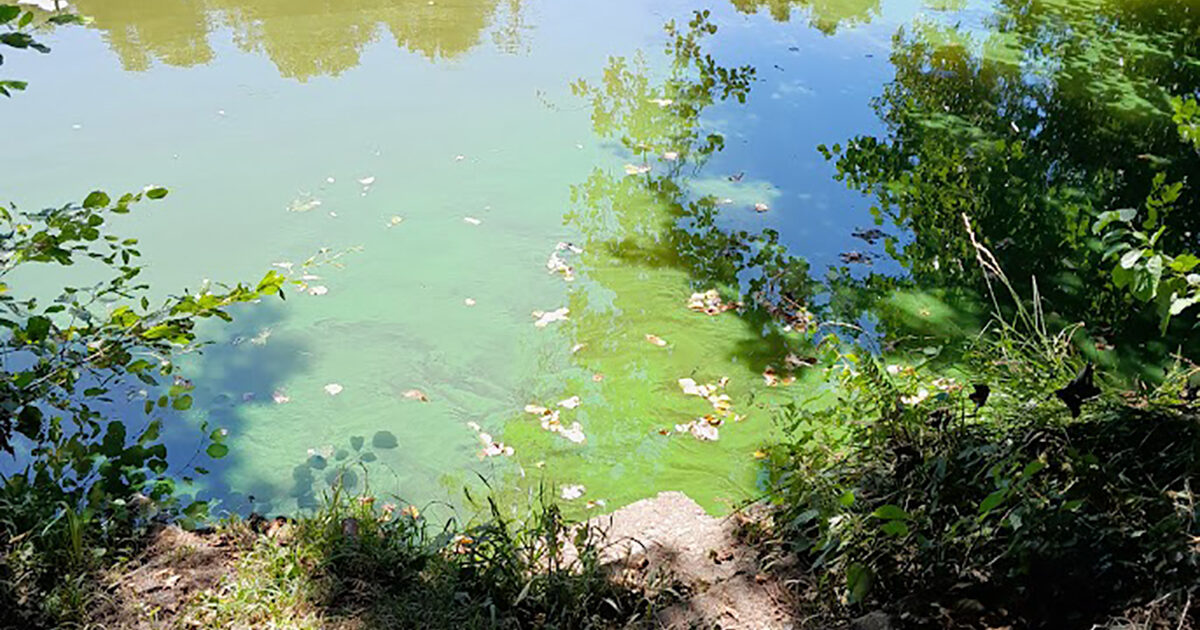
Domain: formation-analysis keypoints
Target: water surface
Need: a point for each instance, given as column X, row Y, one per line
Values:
column 450, row 154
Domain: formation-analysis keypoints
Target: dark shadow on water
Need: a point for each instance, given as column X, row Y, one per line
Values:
column 247, row 362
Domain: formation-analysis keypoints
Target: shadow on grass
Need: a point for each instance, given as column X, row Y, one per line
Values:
column 1034, row 523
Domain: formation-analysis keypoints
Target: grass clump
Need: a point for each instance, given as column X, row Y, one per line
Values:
column 357, row 563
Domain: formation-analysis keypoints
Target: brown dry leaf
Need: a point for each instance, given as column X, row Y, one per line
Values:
column 416, row 394
column 597, row 377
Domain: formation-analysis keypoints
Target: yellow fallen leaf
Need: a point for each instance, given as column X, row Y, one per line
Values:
column 760, row 454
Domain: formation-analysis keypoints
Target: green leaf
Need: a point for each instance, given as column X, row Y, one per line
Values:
column 114, row 439
column 1121, row 276
column 1179, row 305
column 1184, row 263
column 156, row 192
column 1131, row 258
column 66, row 18
column 1125, row 215
column 847, row 498
column 182, row 403
column 196, row 509
column 25, row 19
column 37, row 328
column 895, row 528
column 97, row 199
column 217, row 451
column 151, row 433
column 1032, row 468
column 159, row 331
column 858, row 582
column 8, row 12
column 992, row 500
column 891, row 512
column 29, row 422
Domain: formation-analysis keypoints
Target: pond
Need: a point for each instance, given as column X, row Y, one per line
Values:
column 511, row 203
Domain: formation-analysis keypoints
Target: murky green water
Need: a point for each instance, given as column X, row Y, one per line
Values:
column 450, row 155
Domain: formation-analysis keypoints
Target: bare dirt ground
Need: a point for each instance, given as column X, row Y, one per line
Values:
column 725, row 584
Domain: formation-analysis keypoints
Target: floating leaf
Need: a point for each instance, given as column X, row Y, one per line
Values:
column 544, row 319
column 710, row 303
column 761, row 207
column 333, row 389
column 303, row 204
column 573, row 433
column 469, row 302
column 570, row 403
column 367, row 181
column 656, row 340
column 416, row 394
column 280, row 398
column 571, row 492
column 472, row 220
column 634, row 169
column 700, row 429
column 395, row 220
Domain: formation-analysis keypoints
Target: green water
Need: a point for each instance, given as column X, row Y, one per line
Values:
column 481, row 158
